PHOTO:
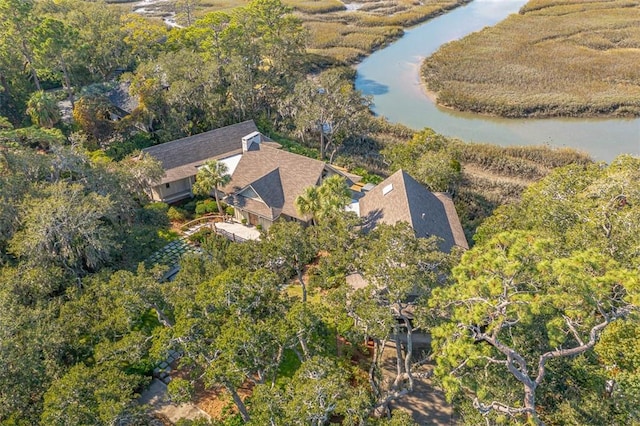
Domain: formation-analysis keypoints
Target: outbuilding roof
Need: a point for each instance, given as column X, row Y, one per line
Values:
column 401, row 198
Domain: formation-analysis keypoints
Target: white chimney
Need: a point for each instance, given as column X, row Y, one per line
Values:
column 251, row 138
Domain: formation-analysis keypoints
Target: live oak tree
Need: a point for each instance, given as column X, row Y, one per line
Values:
column 398, row 269
column 318, row 392
column 580, row 208
column 592, row 206
column 233, row 330
column 290, row 248
column 331, row 108
column 90, row 395
column 429, row 157
column 54, row 45
column 515, row 308
column 226, row 67
column 17, row 28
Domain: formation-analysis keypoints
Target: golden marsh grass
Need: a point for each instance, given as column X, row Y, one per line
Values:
column 346, row 31
column 555, row 58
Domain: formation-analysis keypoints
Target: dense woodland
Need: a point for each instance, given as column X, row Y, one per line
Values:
column 537, row 323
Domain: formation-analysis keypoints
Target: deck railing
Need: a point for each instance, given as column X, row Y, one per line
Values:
column 230, row 236
column 208, row 218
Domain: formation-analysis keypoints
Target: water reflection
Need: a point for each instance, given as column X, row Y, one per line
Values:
column 391, row 75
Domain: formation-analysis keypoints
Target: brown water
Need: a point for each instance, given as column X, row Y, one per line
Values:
column 391, row 75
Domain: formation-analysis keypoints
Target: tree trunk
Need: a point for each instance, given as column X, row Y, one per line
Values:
column 162, row 317
column 215, row 194
column 32, row 68
column 303, row 344
column 378, row 349
column 67, row 81
column 409, row 352
column 304, row 286
column 530, row 405
column 321, row 143
column 399, row 363
column 238, row 401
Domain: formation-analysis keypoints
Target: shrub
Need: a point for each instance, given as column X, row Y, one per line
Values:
column 176, row 214
column 230, row 211
column 202, row 235
column 154, row 214
column 190, row 207
column 206, row 206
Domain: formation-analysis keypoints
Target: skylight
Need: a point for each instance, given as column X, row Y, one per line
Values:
column 387, row 189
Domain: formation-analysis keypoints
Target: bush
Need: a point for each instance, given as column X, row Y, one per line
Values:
column 230, row 211
column 176, row 214
column 206, row 206
column 190, row 207
column 202, row 235
column 154, row 214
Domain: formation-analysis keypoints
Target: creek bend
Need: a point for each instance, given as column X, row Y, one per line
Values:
column 392, row 76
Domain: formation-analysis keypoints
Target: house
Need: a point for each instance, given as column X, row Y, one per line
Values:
column 401, row 198
column 267, row 180
column 122, row 103
column 182, row 157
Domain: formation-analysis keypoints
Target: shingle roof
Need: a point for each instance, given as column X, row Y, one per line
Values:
column 180, row 158
column 401, row 198
column 260, row 166
column 120, row 98
column 269, row 188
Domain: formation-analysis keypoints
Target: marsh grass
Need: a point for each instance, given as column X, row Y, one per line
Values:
column 349, row 35
column 555, row 58
column 344, row 31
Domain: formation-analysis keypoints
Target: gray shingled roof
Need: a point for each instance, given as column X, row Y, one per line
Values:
column 180, row 158
column 120, row 98
column 257, row 167
column 409, row 201
column 269, row 189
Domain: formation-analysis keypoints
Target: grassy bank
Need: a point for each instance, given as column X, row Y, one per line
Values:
column 339, row 32
column 554, row 58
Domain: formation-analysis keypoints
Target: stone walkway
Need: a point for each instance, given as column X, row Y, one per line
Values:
column 171, row 253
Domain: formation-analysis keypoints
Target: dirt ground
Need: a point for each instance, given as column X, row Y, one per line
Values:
column 426, row 403
column 217, row 402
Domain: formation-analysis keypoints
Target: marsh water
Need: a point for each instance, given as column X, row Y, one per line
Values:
column 392, row 76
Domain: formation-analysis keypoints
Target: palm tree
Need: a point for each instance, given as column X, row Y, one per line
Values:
column 210, row 177
column 332, row 196
column 308, row 204
column 335, row 195
column 43, row 109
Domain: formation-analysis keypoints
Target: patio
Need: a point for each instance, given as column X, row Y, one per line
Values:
column 236, row 231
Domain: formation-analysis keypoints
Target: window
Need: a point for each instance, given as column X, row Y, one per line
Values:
column 167, row 185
